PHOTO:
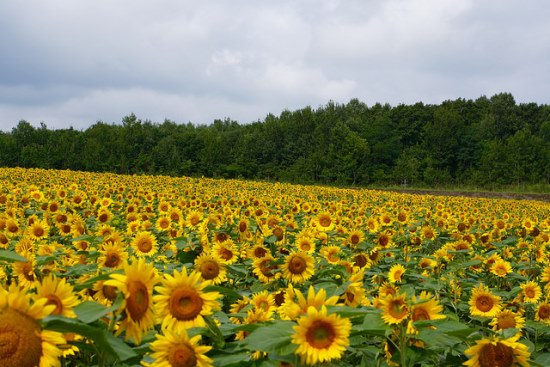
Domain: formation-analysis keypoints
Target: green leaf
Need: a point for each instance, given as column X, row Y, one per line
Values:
column 543, row 359
column 90, row 311
column 372, row 325
column 273, row 338
column 103, row 339
column 11, row 256
column 437, row 338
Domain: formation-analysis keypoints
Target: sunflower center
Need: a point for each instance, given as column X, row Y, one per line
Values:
column 20, row 343
column 109, row 292
column 182, row 355
column 38, row 231
column 54, row 300
column 225, row 253
column 530, row 292
column 209, row 269
column 360, row 260
column 544, row 312
column 266, row 269
column 383, row 241
column 112, row 260
column 185, row 304
column 325, row 221
column 145, row 245
column 498, row 355
column 506, row 321
column 305, row 246
column 420, row 314
column 484, row 303
column 297, row 265
column 242, row 227
column 320, row 334
column 397, row 309
column 354, row 239
column 28, row 272
column 260, row 252
column 137, row 302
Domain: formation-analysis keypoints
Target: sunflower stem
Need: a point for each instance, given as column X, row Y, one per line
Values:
column 402, row 345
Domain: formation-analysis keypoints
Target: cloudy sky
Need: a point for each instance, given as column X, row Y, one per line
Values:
column 73, row 63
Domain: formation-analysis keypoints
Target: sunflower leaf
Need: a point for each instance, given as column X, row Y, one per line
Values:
column 273, row 338
column 11, row 256
column 90, row 311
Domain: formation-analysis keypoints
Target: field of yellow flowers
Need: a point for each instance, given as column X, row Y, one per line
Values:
column 111, row 270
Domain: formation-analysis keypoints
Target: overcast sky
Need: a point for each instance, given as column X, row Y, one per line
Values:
column 73, row 63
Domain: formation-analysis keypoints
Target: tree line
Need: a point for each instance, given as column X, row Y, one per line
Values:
column 485, row 142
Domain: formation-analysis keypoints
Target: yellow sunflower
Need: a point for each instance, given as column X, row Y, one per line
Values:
column 501, row 268
column 136, row 284
column 396, row 273
column 59, row 293
column 494, row 351
column 324, row 222
column 23, row 342
column 321, row 337
column 542, row 313
column 331, row 253
column 175, row 348
column 298, row 267
column 113, row 255
column 291, row 308
column 394, row 308
column 144, row 243
column 531, row 292
column 484, row 303
column 507, row 319
column 211, row 267
column 39, row 229
column 266, row 269
column 305, row 243
column 181, row 301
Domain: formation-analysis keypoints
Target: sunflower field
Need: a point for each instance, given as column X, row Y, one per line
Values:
column 99, row 269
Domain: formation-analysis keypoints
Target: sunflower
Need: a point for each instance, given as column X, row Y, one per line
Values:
column 384, row 239
column 113, row 255
column 181, row 301
column 494, row 351
column 175, row 348
column 144, row 243
column 531, row 292
column 38, row 230
column 263, row 301
column 507, row 319
column 136, row 284
column 396, row 273
column 266, row 269
column 501, row 268
column 542, row 313
column 324, row 222
column 291, row 308
column 163, row 223
column 226, row 251
column 211, row 267
column 331, row 253
column 423, row 308
column 355, row 238
column 25, row 270
column 394, row 308
column 321, row 337
column 23, row 342
column 59, row 293
column 305, row 243
column 484, row 303
column 298, row 267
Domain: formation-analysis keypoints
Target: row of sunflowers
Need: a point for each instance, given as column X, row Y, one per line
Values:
column 98, row 269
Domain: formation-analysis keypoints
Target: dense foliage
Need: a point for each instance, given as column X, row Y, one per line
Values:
column 487, row 142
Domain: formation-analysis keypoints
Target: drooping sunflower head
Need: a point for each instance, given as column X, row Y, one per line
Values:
column 23, row 342
column 394, row 308
column 395, row 275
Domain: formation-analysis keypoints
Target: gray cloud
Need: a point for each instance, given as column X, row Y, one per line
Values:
column 74, row 63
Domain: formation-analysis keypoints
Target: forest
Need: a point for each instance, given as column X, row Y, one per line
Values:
column 488, row 143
